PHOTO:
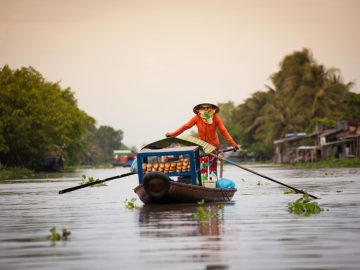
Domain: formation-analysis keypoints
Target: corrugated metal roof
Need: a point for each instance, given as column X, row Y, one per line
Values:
column 330, row 132
column 290, row 139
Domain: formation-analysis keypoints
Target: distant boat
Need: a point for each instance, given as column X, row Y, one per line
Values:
column 123, row 158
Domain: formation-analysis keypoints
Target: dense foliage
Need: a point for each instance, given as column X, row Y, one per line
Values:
column 39, row 118
column 108, row 139
column 304, row 93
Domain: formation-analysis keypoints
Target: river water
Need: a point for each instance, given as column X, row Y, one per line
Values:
column 255, row 231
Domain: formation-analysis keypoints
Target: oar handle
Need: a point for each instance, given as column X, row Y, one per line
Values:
column 228, row 149
column 264, row 176
column 217, row 152
column 94, row 183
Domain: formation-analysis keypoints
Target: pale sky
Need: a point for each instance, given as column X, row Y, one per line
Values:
column 141, row 65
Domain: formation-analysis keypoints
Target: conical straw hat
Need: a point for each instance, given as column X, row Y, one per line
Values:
column 197, row 107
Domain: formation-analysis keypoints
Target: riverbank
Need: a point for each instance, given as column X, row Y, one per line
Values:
column 323, row 164
column 20, row 172
column 13, row 172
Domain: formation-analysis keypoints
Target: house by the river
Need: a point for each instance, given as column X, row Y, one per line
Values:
column 343, row 141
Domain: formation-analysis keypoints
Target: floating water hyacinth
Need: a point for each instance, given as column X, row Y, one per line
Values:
column 65, row 234
column 131, row 204
column 55, row 236
column 303, row 206
column 290, row 191
column 91, row 180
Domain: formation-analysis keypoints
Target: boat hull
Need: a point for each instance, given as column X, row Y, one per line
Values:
column 184, row 193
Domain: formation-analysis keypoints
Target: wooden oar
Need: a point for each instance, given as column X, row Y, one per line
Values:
column 95, row 182
column 264, row 176
column 227, row 149
column 220, row 153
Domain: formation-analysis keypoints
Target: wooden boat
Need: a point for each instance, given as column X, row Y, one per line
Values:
column 159, row 192
column 123, row 158
column 159, row 186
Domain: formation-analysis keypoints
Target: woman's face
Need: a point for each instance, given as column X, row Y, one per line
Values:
column 206, row 114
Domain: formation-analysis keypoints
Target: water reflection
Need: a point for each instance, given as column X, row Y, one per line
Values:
column 161, row 221
column 176, row 225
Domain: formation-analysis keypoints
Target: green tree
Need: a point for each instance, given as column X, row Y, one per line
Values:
column 225, row 113
column 108, row 139
column 93, row 154
column 351, row 106
column 36, row 117
column 250, row 120
column 303, row 92
column 226, row 110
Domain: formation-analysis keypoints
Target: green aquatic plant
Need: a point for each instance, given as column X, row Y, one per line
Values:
column 65, row 234
column 91, row 180
column 304, row 206
column 206, row 213
column 130, row 204
column 55, row 236
column 290, row 191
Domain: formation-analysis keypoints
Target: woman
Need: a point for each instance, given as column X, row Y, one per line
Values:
column 207, row 122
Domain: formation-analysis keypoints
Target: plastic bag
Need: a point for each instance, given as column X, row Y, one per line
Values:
column 225, row 183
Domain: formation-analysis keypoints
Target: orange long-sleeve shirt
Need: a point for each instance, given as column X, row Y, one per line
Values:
column 207, row 132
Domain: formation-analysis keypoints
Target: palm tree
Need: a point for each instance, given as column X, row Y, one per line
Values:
column 303, row 91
